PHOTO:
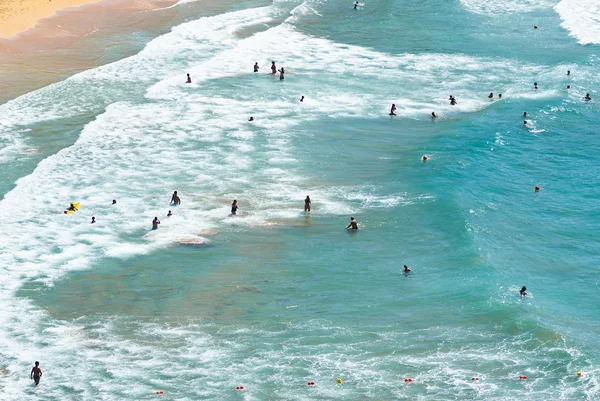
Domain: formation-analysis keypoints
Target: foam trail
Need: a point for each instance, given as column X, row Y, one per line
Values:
column 499, row 7
column 582, row 19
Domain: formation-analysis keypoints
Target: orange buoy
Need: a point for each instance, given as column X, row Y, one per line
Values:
column 523, row 377
column 535, row 27
column 239, row 387
column 475, row 378
column 408, row 380
column 424, row 158
column 537, row 188
column 311, row 383
column 160, row 392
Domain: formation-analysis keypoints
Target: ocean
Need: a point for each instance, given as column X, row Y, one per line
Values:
column 274, row 298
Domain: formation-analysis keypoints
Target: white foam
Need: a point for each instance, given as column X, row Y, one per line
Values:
column 499, row 7
column 581, row 18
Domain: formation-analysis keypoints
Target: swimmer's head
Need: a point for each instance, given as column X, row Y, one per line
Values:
column 525, row 122
column 568, row 86
column 114, row 201
column 37, row 363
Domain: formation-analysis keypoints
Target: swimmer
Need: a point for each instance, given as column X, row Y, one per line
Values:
column 453, row 101
column 393, row 109
column 525, row 123
column 234, row 207
column 189, row 79
column 433, row 116
column 524, row 114
column 406, row 269
column 307, row 204
column 523, row 291
column 499, row 95
column 273, row 68
column 302, row 99
column 353, row 224
column 535, row 85
column 491, row 95
column 175, row 199
column 568, row 72
column 281, row 72
column 36, row 373
column 71, row 207
column 356, row 5
column 114, row 202
column 155, row 223
column 588, row 97
column 251, row 119
column 568, row 87
column 169, row 214
column 93, row 220
column 256, row 67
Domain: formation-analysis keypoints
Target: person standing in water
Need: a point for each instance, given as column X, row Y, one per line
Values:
column 588, row 97
column 234, row 207
column 175, row 199
column 535, row 85
column 307, row 204
column 302, row 99
column 356, row 5
column 189, row 79
column 353, row 224
column 491, row 95
column 273, row 68
column 524, row 114
column 523, row 291
column 114, row 202
column 155, row 223
column 36, row 373
column 393, row 109
column 500, row 96
column 433, row 116
column 281, row 72
column 256, row 67
column 406, row 269
column 568, row 72
column 93, row 220
column 169, row 214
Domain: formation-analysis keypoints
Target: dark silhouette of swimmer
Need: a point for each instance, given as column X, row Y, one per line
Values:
column 524, row 114
column 353, row 224
column 307, row 204
column 406, row 269
column 356, row 5
column 491, row 95
column 169, row 214
column 393, row 109
column 251, row 119
column 535, row 85
column 588, row 97
column 433, row 116
column 568, row 72
column 189, row 79
column 36, row 373
column 523, row 291
column 175, row 199
column 71, row 207
column 453, row 100
column 499, row 95
column 525, row 122
column 273, row 68
column 256, row 67
column 155, row 223
column 114, row 202
column 234, row 207
column 568, row 86
column 281, row 72
column 302, row 99
column 93, row 220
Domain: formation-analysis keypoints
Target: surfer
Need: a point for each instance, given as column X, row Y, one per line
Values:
column 155, row 223
column 256, row 67
column 353, row 224
column 281, row 72
column 93, row 220
column 302, row 99
column 588, row 97
column 523, row 291
column 114, row 202
column 406, row 269
column 393, row 109
column 175, row 199
column 36, row 373
column 234, row 207
column 535, row 85
column 189, row 79
column 169, row 214
column 491, row 95
column 71, row 208
column 307, row 204
column 273, row 68
column 433, row 116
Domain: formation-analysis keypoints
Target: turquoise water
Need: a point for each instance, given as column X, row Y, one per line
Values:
column 273, row 298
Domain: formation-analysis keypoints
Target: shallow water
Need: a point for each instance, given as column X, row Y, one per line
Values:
column 273, row 298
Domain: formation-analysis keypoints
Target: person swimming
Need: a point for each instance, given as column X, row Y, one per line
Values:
column 523, row 291
column 356, row 5
column 453, row 101
column 251, row 119
column 393, row 109
column 114, row 202
column 273, row 68
column 256, row 67
column 406, row 269
column 588, row 97
column 302, row 99
column 36, row 373
column 535, row 85
column 155, row 223
column 525, row 123
column 353, row 224
column 71, row 208
column 568, row 86
column 499, row 95
column 189, row 79
column 491, row 95
column 524, row 114
column 281, row 72
column 93, row 220
column 234, row 207
column 568, row 72
column 175, row 199
column 169, row 214
column 433, row 116
column 307, row 204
